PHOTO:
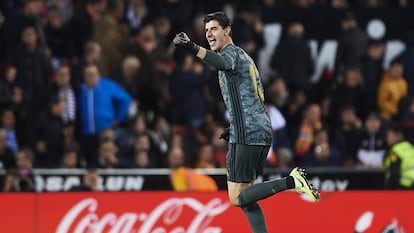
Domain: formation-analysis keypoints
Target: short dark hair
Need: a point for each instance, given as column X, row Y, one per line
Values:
column 221, row 18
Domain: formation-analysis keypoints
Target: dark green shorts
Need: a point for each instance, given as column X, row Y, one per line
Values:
column 245, row 162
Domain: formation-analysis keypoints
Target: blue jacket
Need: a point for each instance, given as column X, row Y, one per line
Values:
column 101, row 105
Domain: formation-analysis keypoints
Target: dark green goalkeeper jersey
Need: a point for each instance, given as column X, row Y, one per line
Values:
column 242, row 91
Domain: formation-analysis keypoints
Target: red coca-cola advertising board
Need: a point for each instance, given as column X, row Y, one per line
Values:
column 172, row 212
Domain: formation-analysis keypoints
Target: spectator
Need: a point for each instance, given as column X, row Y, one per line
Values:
column 8, row 124
column 250, row 26
column 149, row 81
column 135, row 13
column 64, row 90
column 56, row 34
column 399, row 161
column 371, row 72
column 407, row 58
column 31, row 62
column 391, row 89
column 70, row 159
column 127, row 77
column 89, row 183
column 27, row 17
column 293, row 112
column 49, row 135
column 82, row 24
column 372, row 144
column 407, row 119
column 143, row 144
column 322, row 153
column 108, row 158
column 277, row 93
column 187, row 179
column 7, row 157
column 205, row 157
column 310, row 123
column 92, row 54
column 21, row 179
column 352, row 44
column 102, row 105
column 219, row 146
column 348, row 93
column 346, row 134
column 7, row 87
column 281, row 153
column 110, row 34
column 187, row 84
column 292, row 59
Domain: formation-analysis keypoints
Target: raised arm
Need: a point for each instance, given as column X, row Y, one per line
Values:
column 217, row 61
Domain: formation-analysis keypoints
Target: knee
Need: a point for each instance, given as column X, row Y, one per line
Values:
column 234, row 199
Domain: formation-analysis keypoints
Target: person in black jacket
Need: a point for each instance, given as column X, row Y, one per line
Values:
column 292, row 59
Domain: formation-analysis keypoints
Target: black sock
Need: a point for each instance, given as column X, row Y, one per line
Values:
column 263, row 190
column 255, row 217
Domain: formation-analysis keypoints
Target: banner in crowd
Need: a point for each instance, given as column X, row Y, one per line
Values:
column 173, row 212
column 158, row 179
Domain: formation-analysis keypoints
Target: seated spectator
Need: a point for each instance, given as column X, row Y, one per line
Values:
column 391, row 89
column 141, row 159
column 206, row 157
column 8, row 126
column 143, row 144
column 187, row 179
column 70, row 159
column 21, row 179
column 322, row 153
column 345, row 135
column 89, row 183
column 311, row 121
column 277, row 92
column 399, row 161
column 108, row 158
column 372, row 145
column 7, row 157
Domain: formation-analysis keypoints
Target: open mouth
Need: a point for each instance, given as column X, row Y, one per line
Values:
column 212, row 42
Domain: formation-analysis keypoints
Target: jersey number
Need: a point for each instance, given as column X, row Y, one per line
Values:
column 254, row 74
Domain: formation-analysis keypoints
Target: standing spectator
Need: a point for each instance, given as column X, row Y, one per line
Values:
column 63, row 89
column 348, row 93
column 8, row 124
column 372, row 143
column 352, row 44
column 371, row 72
column 346, row 134
column 82, row 24
column 7, row 157
column 13, row 28
column 109, row 33
column 127, row 77
column 391, row 89
column 92, row 54
column 292, row 59
column 250, row 30
column 135, row 13
column 7, row 87
column 408, row 62
column 322, row 153
column 399, row 161
column 31, row 62
column 102, row 105
column 49, row 135
column 56, row 34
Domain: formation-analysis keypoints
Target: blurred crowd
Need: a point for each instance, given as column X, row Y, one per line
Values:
column 98, row 84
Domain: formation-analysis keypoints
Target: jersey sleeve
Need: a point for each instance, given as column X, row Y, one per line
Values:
column 225, row 61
